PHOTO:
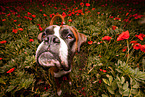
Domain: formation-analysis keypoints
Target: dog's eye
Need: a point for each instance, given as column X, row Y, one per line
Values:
column 69, row 36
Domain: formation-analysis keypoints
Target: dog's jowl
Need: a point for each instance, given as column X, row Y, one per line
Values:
column 57, row 48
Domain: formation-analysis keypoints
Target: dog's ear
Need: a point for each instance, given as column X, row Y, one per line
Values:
column 39, row 37
column 81, row 39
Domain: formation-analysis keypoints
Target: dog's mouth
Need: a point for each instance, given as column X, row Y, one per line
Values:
column 47, row 59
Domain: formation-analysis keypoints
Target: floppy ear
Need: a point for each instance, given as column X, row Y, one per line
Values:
column 39, row 37
column 81, row 39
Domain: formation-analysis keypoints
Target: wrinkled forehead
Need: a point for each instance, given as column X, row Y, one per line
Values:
column 60, row 29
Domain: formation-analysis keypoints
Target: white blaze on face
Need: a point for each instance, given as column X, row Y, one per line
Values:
column 63, row 50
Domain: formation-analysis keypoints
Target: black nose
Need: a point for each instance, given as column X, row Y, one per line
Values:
column 51, row 39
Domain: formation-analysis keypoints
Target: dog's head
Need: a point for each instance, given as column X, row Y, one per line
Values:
column 58, row 45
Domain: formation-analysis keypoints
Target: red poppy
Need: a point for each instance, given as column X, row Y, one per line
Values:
column 1, row 58
column 76, row 8
column 3, row 20
column 31, row 40
column 34, row 16
column 11, row 70
column 82, row 4
column 104, row 71
column 70, row 20
column 28, row 13
column 82, row 14
column 127, row 14
column 73, row 13
column 113, row 27
column 79, row 11
column 98, row 12
column 29, row 18
column 51, row 15
column 18, row 15
column 142, row 48
column 64, row 14
column 100, row 56
column 138, row 16
column 93, row 8
column 100, row 81
column 140, row 36
column 55, row 7
column 110, row 16
column 25, row 17
column 19, row 24
column 137, row 46
column 124, row 49
column 133, row 42
column 123, row 35
column 38, row 24
column 90, row 42
column 15, row 20
column 106, row 38
column 45, row 88
column 2, row 42
column 15, row 30
column 116, row 18
column 77, row 14
column 70, row 14
column 40, row 28
column 3, row 9
column 86, row 9
column 44, row 15
column 20, row 29
column 83, row 88
column 87, row 4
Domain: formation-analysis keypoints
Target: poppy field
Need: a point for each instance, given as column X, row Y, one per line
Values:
column 110, row 64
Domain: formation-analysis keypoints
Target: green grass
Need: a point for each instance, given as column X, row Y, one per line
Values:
column 101, row 68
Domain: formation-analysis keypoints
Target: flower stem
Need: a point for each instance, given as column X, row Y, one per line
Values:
column 127, row 51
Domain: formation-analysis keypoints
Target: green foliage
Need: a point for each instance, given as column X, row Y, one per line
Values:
column 126, row 82
column 100, row 69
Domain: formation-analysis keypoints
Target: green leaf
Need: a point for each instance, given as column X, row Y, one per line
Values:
column 2, row 81
column 112, row 71
column 136, row 85
column 118, row 78
column 110, row 90
column 126, row 92
column 122, row 80
column 134, row 91
column 121, row 91
column 125, row 86
column 45, row 95
column 114, row 85
column 119, row 84
column 110, row 79
column 106, row 81
column 103, row 95
column 10, row 88
column 25, row 83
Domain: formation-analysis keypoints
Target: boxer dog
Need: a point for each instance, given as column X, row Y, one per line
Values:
column 57, row 49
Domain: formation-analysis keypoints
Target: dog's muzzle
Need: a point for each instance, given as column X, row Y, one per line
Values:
column 47, row 59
